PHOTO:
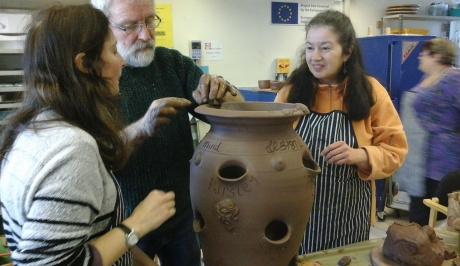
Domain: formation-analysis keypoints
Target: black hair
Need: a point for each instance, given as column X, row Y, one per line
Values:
column 358, row 97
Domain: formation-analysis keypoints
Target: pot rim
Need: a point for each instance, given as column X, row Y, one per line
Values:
column 253, row 109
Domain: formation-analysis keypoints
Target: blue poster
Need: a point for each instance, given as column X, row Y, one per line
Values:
column 285, row 13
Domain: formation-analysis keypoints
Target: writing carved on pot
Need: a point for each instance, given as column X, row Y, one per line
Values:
column 211, row 146
column 232, row 191
column 228, row 213
column 283, row 145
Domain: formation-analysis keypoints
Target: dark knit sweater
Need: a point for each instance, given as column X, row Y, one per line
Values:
column 161, row 162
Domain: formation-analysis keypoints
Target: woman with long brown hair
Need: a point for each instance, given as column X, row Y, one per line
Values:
column 60, row 203
column 353, row 132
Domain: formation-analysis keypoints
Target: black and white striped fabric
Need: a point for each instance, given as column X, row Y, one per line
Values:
column 56, row 196
column 342, row 205
column 119, row 216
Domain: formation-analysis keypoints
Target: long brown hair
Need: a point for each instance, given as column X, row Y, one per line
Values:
column 55, row 36
column 358, row 98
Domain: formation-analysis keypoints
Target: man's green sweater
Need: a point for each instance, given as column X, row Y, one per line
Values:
column 161, row 162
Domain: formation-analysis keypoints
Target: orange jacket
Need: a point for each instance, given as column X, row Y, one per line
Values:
column 381, row 134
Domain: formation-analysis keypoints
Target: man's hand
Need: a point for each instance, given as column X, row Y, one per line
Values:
column 213, row 89
column 159, row 112
column 157, row 115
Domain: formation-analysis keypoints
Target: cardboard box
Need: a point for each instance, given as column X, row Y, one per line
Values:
column 411, row 31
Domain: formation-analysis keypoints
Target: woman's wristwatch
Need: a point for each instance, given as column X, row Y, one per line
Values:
column 131, row 236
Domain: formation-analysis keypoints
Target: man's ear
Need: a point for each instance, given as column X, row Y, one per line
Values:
column 79, row 62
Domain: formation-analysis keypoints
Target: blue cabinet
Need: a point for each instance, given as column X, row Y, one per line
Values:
column 393, row 61
column 258, row 96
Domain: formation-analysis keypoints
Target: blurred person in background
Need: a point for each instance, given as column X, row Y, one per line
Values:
column 431, row 115
column 353, row 131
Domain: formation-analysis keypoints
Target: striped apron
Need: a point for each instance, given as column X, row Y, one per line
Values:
column 118, row 217
column 342, row 206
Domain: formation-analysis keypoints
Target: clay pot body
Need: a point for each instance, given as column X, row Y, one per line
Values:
column 252, row 184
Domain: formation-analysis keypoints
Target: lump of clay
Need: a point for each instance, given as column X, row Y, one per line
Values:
column 449, row 254
column 453, row 211
column 344, row 261
column 410, row 244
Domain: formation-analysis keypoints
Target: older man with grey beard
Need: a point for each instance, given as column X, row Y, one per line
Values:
column 169, row 86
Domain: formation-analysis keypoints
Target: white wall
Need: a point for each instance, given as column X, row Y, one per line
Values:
column 250, row 43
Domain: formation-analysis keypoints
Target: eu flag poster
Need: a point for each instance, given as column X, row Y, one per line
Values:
column 285, row 13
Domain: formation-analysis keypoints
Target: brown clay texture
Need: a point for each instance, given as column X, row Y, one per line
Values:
column 252, row 184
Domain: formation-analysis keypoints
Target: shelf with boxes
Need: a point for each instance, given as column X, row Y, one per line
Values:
column 402, row 17
column 10, row 80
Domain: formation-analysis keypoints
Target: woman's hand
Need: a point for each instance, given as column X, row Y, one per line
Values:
column 142, row 259
column 153, row 211
column 340, row 153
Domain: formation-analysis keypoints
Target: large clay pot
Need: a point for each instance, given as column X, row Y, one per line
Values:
column 252, row 184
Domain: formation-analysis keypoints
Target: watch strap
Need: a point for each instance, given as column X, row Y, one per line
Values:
column 131, row 236
column 125, row 229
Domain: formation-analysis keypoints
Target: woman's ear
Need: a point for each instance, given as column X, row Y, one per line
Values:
column 437, row 57
column 348, row 54
column 79, row 62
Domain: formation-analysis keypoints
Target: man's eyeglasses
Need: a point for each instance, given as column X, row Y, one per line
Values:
column 136, row 28
column 425, row 53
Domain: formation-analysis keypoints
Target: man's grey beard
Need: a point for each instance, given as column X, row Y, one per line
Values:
column 137, row 59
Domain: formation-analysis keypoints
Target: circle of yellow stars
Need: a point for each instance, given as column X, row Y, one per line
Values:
column 281, row 9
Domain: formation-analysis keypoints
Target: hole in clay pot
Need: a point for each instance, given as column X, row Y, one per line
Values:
column 198, row 222
column 276, row 230
column 308, row 162
column 232, row 171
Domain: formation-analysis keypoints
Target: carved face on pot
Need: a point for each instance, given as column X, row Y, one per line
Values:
column 228, row 213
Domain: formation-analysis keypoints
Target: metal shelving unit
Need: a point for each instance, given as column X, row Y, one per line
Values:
column 402, row 17
column 11, row 88
column 10, row 72
column 10, row 80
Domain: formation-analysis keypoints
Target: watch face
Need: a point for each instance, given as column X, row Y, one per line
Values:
column 132, row 239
